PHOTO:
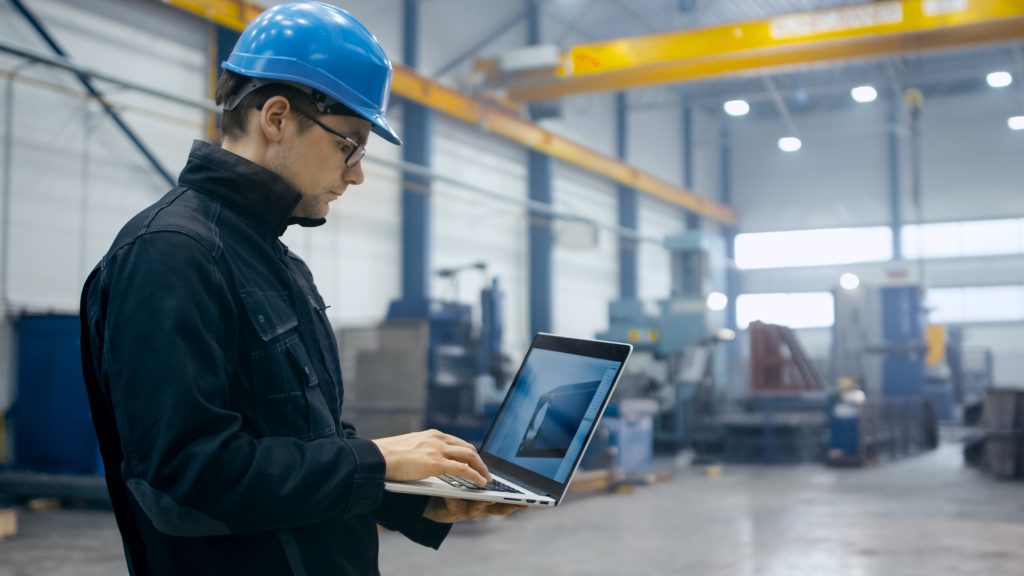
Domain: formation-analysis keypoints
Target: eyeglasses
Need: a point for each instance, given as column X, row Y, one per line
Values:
column 358, row 150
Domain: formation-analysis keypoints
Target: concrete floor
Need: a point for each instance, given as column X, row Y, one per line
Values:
column 923, row 516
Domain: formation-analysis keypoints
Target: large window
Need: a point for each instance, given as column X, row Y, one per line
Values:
column 959, row 239
column 834, row 246
column 795, row 310
column 975, row 304
column 813, row 247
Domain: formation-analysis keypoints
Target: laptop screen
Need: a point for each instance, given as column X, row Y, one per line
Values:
column 550, row 410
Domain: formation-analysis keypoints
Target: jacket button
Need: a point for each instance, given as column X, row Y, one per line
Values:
column 260, row 318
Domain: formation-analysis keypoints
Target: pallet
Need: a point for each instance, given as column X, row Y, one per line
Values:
column 591, row 481
column 8, row 523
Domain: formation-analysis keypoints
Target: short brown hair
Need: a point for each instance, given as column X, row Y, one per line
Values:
column 232, row 122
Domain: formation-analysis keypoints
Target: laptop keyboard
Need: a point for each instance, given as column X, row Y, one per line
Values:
column 493, row 486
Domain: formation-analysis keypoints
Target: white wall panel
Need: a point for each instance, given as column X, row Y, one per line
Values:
column 588, row 119
column 449, row 28
column 384, row 18
column 707, row 154
column 839, row 177
column 75, row 177
column 657, row 220
column 585, row 280
column 655, row 141
column 971, row 161
column 468, row 227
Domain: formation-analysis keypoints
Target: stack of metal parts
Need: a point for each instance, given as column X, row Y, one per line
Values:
column 385, row 370
column 877, row 430
column 785, row 419
column 1000, row 448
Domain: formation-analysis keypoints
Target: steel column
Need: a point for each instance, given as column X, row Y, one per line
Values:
column 541, row 243
column 417, row 124
column 692, row 218
column 895, row 196
column 541, row 239
column 732, row 277
column 628, row 207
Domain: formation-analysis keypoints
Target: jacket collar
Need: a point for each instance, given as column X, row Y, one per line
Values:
column 263, row 197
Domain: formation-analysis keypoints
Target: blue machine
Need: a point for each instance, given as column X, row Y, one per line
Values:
column 465, row 365
column 53, row 430
column 879, row 355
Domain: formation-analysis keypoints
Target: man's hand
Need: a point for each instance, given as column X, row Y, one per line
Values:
column 449, row 510
column 424, row 454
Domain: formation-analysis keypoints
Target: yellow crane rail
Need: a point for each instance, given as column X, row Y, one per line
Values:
column 495, row 118
column 861, row 31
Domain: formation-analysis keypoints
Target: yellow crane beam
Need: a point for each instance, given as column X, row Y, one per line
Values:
column 861, row 31
column 494, row 117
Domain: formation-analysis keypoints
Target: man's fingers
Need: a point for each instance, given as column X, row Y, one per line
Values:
column 463, row 470
column 478, row 510
column 504, row 509
column 468, row 456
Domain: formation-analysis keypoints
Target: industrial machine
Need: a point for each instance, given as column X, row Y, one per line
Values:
column 428, row 365
column 784, row 417
column 959, row 375
column 879, row 358
column 673, row 346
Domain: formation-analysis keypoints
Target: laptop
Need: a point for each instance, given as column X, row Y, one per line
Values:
column 545, row 423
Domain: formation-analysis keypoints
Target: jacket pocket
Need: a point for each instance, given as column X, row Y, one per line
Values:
column 289, row 399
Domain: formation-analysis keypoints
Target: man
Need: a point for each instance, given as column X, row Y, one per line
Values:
column 212, row 370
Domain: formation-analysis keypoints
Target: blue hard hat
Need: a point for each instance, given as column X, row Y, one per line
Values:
column 324, row 48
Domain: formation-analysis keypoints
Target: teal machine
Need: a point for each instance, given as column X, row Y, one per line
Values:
column 673, row 344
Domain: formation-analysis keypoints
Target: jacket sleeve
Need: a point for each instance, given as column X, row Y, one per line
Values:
column 171, row 338
column 404, row 513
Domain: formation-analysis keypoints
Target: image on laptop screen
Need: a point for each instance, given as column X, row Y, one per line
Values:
column 550, row 409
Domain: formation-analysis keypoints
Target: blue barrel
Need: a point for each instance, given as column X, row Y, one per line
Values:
column 53, row 430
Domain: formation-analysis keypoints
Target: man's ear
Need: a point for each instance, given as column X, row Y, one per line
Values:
column 273, row 116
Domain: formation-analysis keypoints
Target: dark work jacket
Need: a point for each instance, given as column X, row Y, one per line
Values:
column 216, row 392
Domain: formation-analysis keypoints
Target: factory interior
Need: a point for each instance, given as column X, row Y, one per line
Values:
column 806, row 218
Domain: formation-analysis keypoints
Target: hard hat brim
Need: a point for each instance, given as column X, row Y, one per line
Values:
column 260, row 69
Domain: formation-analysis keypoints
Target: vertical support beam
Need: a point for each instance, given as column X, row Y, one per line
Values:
column 541, row 237
column 417, row 123
column 628, row 208
column 692, row 218
column 895, row 195
column 542, row 243
column 533, row 22
column 732, row 277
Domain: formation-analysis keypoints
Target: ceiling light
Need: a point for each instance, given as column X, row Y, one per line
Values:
column 1015, row 122
column 864, row 94
column 717, row 301
column 736, row 107
column 1000, row 79
column 849, row 281
column 790, row 144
